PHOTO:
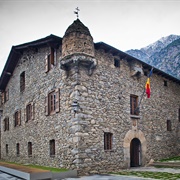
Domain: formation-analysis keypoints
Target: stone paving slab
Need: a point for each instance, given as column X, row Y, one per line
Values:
column 108, row 177
column 153, row 169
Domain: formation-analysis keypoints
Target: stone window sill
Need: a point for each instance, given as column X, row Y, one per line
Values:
column 135, row 116
column 110, row 150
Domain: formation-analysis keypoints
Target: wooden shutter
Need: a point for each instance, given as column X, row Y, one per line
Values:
column 2, row 97
column 14, row 117
column 57, row 100
column 46, row 106
column 46, row 64
column 52, row 56
column 7, row 95
column 8, row 123
column 5, row 124
column 25, row 114
column 19, row 117
column 55, row 57
column 32, row 110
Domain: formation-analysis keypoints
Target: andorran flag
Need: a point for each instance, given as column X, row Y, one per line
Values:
column 148, row 90
column 147, row 86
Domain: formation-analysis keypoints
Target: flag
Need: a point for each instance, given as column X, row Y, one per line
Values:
column 147, row 86
column 148, row 90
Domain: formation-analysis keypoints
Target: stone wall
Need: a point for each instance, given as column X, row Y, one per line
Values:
column 104, row 106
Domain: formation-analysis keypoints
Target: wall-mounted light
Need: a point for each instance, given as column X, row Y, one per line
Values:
column 75, row 106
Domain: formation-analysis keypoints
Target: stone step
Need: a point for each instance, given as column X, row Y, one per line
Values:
column 168, row 164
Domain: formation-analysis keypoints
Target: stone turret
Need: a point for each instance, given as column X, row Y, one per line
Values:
column 77, row 46
column 77, row 40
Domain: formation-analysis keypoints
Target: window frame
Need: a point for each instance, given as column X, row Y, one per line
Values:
column 22, row 81
column 165, row 83
column 134, row 105
column 17, row 149
column 116, row 63
column 50, row 59
column 29, row 112
column 108, row 141
column 6, row 124
column 169, row 125
column 17, row 118
column 7, row 150
column 52, row 102
column 29, row 149
column 52, row 146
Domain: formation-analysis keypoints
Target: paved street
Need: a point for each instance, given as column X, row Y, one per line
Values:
column 4, row 176
column 107, row 177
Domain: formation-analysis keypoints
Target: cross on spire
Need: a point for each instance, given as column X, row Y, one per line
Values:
column 77, row 12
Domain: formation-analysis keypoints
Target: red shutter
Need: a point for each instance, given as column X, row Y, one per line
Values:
column 46, row 106
column 57, row 100
column 46, row 63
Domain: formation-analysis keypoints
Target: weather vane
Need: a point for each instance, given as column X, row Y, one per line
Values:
column 77, row 12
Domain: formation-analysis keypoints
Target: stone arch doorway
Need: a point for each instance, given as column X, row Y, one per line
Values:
column 135, row 153
column 130, row 135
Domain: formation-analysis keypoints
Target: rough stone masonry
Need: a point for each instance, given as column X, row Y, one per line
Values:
column 95, row 82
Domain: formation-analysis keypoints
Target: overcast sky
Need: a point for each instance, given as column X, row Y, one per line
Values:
column 124, row 24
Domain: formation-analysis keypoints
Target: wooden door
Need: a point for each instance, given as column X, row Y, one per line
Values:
column 135, row 152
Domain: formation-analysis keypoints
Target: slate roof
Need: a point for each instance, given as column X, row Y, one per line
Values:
column 77, row 26
column 16, row 52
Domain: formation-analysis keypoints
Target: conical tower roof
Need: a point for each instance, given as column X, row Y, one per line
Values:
column 77, row 26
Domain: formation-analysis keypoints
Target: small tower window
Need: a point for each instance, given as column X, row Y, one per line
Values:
column 108, row 141
column 22, row 81
column 169, row 125
column 116, row 62
column 165, row 83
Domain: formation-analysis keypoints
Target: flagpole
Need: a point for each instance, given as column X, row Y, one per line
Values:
column 137, row 109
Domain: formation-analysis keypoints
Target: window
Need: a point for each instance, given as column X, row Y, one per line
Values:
column 17, row 149
column 116, row 62
column 5, row 96
column 7, row 150
column 6, row 124
column 50, row 60
column 52, row 147
column 29, row 112
column 145, row 73
column 108, row 141
column 22, row 81
column 134, row 105
column 52, row 102
column 169, row 125
column 17, row 118
column 165, row 83
column 29, row 148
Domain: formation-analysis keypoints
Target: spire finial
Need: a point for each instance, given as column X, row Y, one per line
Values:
column 77, row 12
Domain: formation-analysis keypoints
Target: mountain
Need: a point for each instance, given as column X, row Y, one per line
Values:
column 163, row 54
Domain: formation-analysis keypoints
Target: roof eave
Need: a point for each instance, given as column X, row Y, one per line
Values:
column 128, row 57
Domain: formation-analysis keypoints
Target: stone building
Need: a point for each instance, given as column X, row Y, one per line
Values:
column 69, row 102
